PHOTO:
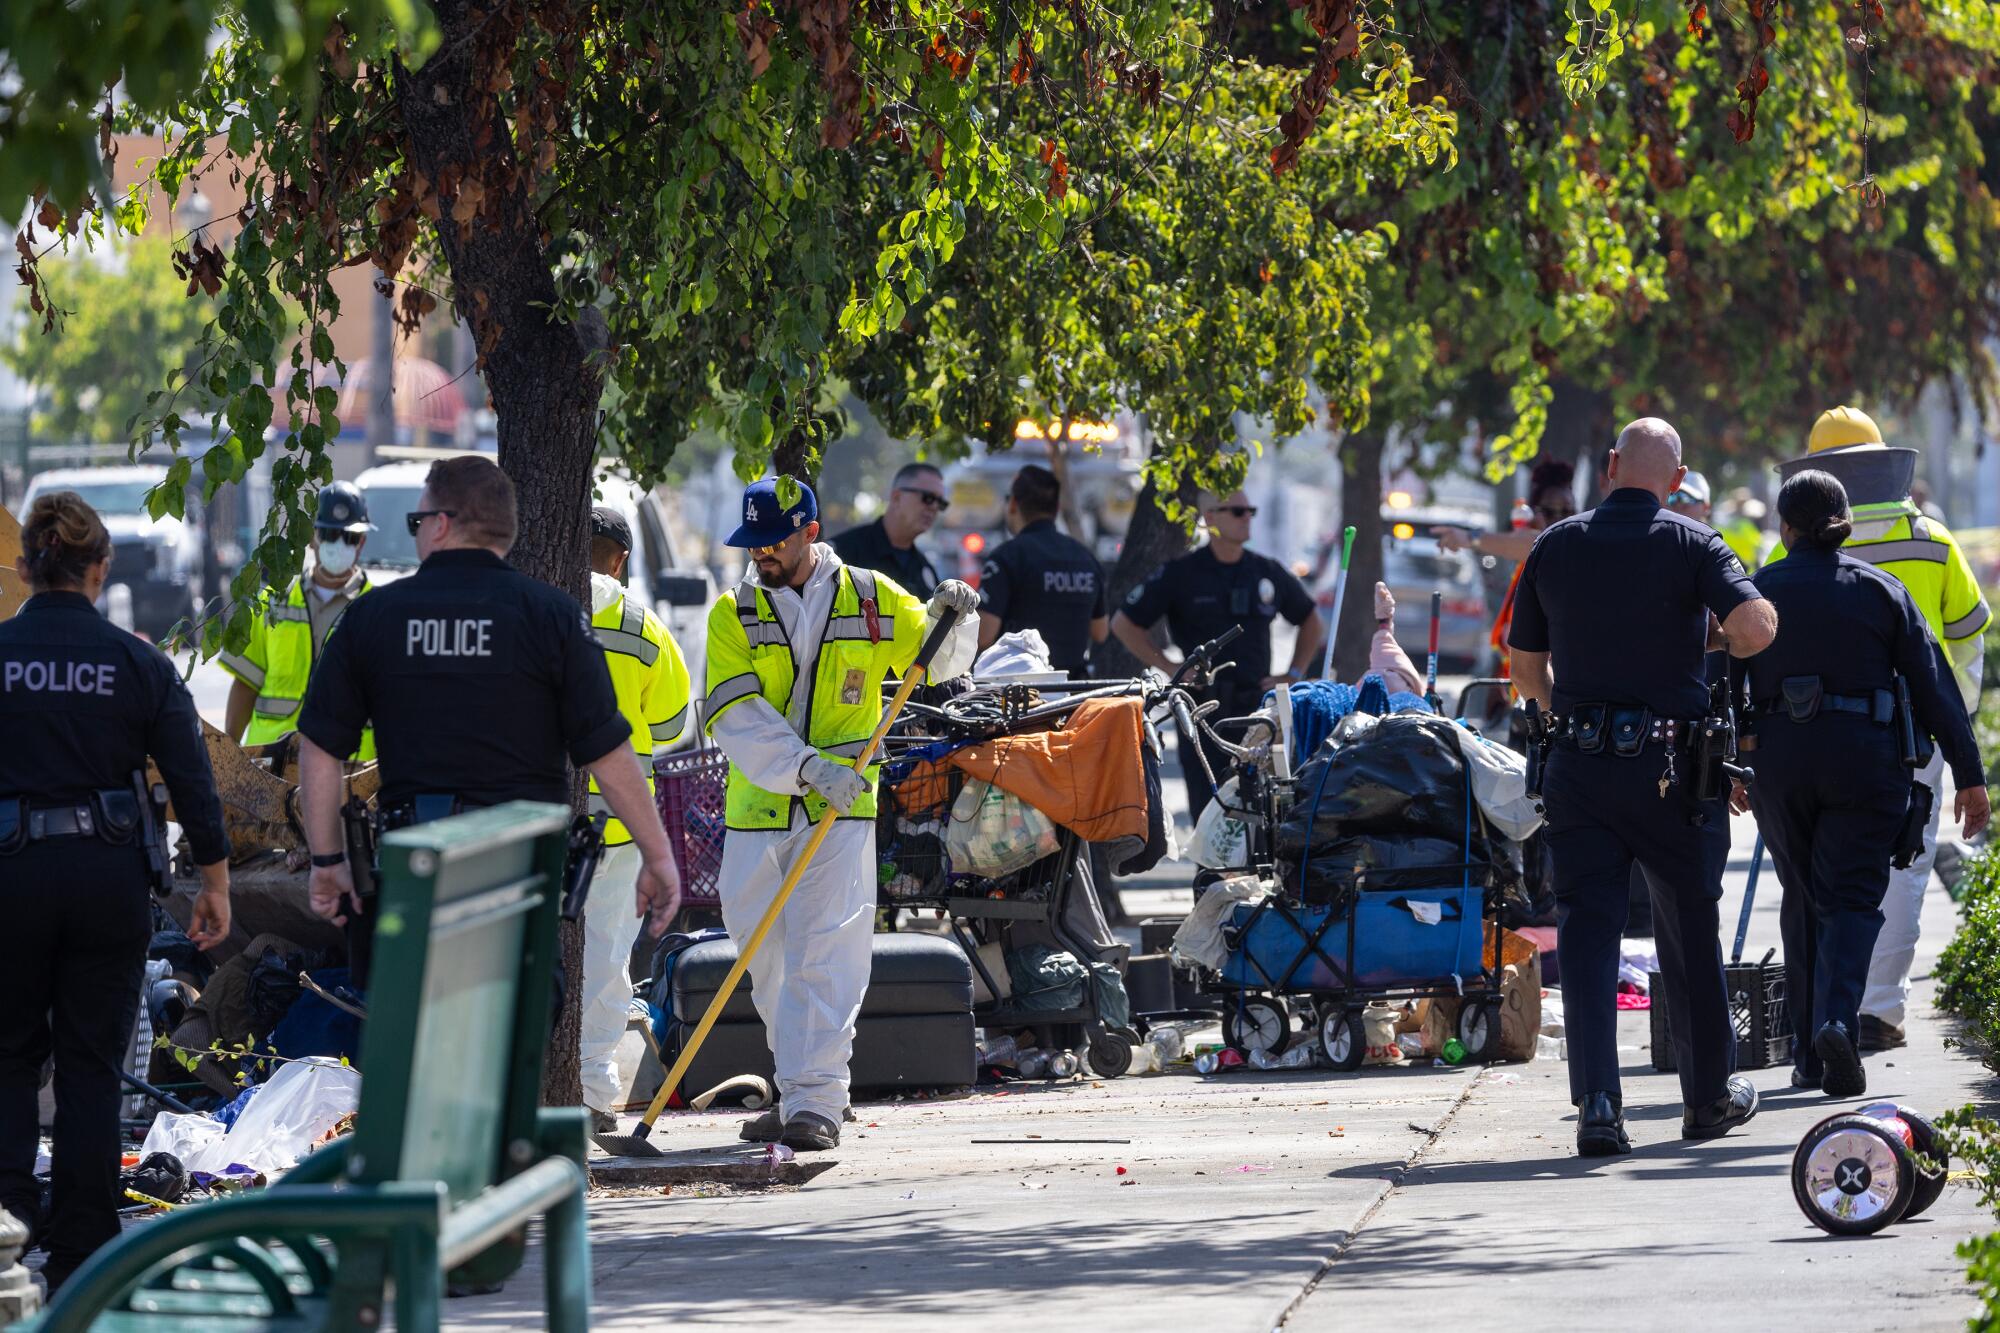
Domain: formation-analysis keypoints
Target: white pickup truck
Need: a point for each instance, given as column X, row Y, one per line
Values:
column 656, row 577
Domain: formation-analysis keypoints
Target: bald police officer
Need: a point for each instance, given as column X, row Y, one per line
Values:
column 480, row 683
column 1615, row 611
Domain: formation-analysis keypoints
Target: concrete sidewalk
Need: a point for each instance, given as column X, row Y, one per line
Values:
column 1384, row 1199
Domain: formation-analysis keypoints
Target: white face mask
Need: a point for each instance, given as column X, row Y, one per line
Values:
column 337, row 557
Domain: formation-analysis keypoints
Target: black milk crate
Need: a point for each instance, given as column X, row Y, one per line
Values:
column 1757, row 1007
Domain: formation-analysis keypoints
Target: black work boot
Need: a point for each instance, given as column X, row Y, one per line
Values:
column 1600, row 1126
column 807, row 1132
column 766, row 1128
column 1844, row 1076
column 1725, row 1113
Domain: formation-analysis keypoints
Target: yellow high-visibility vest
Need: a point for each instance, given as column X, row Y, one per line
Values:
column 1922, row 555
column 278, row 663
column 650, row 678
column 874, row 628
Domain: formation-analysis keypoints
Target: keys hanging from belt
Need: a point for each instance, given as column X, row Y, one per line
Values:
column 1668, row 732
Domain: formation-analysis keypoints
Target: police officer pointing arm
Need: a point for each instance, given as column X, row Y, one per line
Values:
column 82, row 706
column 1612, row 619
column 480, row 682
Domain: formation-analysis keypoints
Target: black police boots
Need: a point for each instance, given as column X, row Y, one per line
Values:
column 1600, row 1126
column 1844, row 1076
column 1723, row 1114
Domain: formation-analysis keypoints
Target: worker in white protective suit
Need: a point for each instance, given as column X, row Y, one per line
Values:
column 797, row 653
column 650, row 678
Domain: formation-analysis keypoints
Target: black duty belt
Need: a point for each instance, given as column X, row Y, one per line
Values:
column 1878, row 707
column 111, row 815
column 1618, row 729
column 61, row 821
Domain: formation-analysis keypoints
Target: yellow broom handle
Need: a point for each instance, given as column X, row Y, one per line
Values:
column 911, row 679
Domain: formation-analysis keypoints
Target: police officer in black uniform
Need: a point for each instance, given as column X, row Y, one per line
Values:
column 480, row 683
column 1618, row 605
column 1204, row 593
column 1833, row 786
column 82, row 705
column 1043, row 579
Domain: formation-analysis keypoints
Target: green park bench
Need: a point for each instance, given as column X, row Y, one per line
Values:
column 452, row 1154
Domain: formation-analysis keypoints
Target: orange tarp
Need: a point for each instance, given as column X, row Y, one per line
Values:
column 1089, row 777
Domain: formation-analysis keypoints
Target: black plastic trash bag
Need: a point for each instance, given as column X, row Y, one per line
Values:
column 1390, row 808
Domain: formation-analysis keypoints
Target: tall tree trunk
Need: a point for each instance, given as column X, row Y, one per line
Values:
column 1579, row 430
column 1360, row 509
column 1151, row 540
column 543, row 381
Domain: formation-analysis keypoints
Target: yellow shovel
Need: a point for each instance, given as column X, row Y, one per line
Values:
column 635, row 1144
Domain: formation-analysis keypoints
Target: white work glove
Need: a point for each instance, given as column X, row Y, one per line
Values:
column 955, row 595
column 839, row 784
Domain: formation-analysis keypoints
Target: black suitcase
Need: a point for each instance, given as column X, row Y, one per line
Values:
column 915, row 1029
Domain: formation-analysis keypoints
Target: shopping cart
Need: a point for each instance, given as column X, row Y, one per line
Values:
column 990, row 916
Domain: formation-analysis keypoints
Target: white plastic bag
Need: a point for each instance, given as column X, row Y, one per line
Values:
column 993, row 834
column 303, row 1100
column 1221, row 841
column 1020, row 653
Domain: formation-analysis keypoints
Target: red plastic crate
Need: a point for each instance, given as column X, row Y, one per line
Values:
column 690, row 788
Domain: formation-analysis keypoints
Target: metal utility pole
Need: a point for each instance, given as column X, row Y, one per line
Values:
column 382, row 378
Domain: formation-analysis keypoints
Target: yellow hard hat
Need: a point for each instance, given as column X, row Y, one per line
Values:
column 1842, row 428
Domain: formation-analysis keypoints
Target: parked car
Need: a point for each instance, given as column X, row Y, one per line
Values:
column 157, row 561
column 677, row 590
column 1414, row 566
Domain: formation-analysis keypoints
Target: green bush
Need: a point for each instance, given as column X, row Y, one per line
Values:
column 1968, row 974
column 1968, row 971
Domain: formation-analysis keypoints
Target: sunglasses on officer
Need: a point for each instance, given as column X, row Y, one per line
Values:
column 341, row 535
column 415, row 518
column 931, row 499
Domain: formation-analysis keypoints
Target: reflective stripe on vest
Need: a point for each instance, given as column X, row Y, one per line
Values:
column 855, row 652
column 1969, row 624
column 1888, row 553
column 290, row 651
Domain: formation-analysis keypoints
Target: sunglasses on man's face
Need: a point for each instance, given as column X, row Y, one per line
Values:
column 1236, row 511
column 337, row 535
column 416, row 517
column 931, row 499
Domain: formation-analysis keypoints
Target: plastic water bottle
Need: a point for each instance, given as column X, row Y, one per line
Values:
column 1063, row 1064
column 1523, row 514
column 999, row 1051
column 1168, row 1042
column 1031, row 1063
column 1296, row 1057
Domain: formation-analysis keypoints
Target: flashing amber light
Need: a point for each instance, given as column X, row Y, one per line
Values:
column 973, row 542
column 1403, row 531
column 1083, row 432
column 1400, row 500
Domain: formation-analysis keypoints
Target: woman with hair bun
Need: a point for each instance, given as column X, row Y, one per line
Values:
column 83, row 705
column 1832, row 789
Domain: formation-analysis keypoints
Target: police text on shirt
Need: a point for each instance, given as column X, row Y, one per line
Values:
column 60, row 677
column 437, row 637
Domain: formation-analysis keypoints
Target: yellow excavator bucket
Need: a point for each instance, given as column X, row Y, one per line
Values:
column 12, row 591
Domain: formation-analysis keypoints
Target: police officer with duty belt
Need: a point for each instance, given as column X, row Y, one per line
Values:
column 1214, row 588
column 1615, row 610
column 1845, row 700
column 1043, row 579
column 480, row 682
column 82, row 706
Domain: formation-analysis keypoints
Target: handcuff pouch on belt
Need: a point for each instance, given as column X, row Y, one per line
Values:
column 1909, row 844
column 1586, row 727
column 1628, row 730
column 1800, row 697
column 13, row 824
